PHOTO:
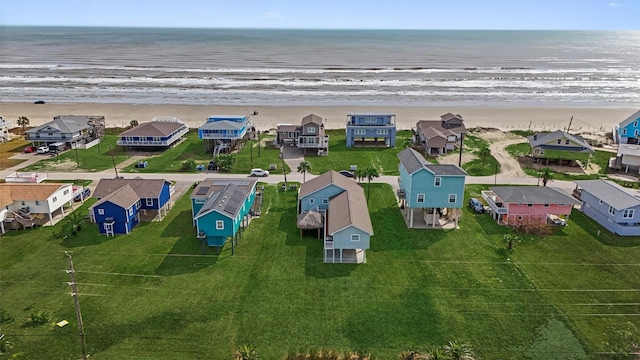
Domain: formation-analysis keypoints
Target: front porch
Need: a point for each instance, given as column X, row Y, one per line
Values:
column 430, row 218
column 345, row 256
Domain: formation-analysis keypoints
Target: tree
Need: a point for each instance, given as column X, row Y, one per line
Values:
column 133, row 123
column 458, row 351
column 510, row 239
column 225, row 162
column 408, row 142
column 24, row 122
column 360, row 174
column 545, row 175
column 303, row 168
column 484, row 153
column 246, row 352
column 370, row 173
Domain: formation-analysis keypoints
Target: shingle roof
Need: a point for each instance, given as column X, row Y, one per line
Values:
column 145, row 188
column 153, row 128
column 313, row 118
column 222, row 125
column 124, row 197
column 67, row 124
column 414, row 161
column 326, row 179
column 29, row 192
column 225, row 197
column 611, row 193
column 533, row 195
column 542, row 139
column 635, row 116
column 349, row 208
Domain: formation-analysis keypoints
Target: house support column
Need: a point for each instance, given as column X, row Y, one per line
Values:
column 1, row 227
column 50, row 219
column 411, row 218
column 433, row 219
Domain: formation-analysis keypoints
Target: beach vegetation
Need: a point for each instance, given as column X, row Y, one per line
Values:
column 484, row 165
column 225, row 162
column 418, row 288
column 23, row 122
column 133, row 123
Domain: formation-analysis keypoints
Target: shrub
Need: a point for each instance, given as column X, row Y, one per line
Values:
column 189, row 165
column 535, row 228
column 39, row 317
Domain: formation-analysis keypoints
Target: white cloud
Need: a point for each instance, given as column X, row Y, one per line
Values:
column 613, row 4
column 272, row 15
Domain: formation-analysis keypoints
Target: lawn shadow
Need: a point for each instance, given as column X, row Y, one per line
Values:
column 391, row 233
column 601, row 234
column 315, row 266
column 185, row 256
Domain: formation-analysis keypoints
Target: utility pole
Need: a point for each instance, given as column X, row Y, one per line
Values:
column 74, row 293
column 460, row 157
column 284, row 171
column 77, row 159
column 258, row 143
column 570, row 121
column 114, row 162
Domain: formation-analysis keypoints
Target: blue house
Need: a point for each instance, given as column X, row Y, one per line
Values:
column 341, row 205
column 123, row 203
column 628, row 130
column 371, row 128
column 219, row 208
column 159, row 133
column 222, row 133
column 627, row 135
column 435, row 190
column 614, row 207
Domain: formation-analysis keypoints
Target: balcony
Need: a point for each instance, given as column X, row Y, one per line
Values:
column 213, row 136
column 143, row 143
column 495, row 203
column 319, row 143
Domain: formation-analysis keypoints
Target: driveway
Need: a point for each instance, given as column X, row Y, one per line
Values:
column 509, row 167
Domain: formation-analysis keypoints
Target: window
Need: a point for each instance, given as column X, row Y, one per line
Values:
column 359, row 132
column 100, row 211
column 628, row 213
column 600, row 202
column 139, row 204
column 55, row 198
column 219, row 225
column 325, row 201
column 635, row 123
column 65, row 192
column 624, row 131
column 311, row 130
column 452, row 198
column 566, row 142
column 131, row 211
column 436, row 181
column 370, row 120
column 559, row 141
column 546, row 205
column 37, row 202
column 23, row 203
column 612, row 211
column 149, row 202
column 420, row 198
column 312, row 201
column 520, row 217
column 355, row 237
column 382, row 131
column 635, row 132
column 529, row 205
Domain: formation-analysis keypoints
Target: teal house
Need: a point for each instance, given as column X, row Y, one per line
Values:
column 431, row 193
column 221, row 207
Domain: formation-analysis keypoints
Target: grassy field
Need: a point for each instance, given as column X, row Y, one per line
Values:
column 151, row 295
column 9, row 149
column 341, row 157
column 97, row 158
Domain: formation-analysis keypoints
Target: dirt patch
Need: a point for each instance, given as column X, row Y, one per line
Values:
column 454, row 157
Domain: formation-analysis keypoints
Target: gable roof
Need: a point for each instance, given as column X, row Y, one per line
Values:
column 613, row 194
column 67, row 124
column 533, row 195
column 225, row 197
column 349, row 208
column 28, row 192
column 222, row 125
column 124, row 197
column 413, row 161
column 313, row 118
column 153, row 128
column 145, row 188
column 629, row 149
column 542, row 139
column 324, row 180
column 635, row 116
column 449, row 116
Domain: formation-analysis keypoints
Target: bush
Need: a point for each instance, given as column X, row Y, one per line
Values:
column 39, row 316
column 189, row 165
column 536, row 228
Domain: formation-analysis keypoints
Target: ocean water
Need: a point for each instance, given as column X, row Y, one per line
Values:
column 320, row 67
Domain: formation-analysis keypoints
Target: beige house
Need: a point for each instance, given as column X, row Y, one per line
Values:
column 28, row 205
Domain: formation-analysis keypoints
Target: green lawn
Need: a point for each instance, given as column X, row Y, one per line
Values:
column 341, row 157
column 97, row 158
column 150, row 295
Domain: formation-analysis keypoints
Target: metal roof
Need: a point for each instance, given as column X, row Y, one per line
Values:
column 533, row 195
column 611, row 193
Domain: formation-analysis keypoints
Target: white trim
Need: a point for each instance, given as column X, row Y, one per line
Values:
column 418, row 196
column 455, row 198
column 437, row 181
column 100, row 211
column 219, row 224
column 355, row 237
column 149, row 201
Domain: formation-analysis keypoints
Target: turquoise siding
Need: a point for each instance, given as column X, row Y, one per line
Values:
column 631, row 131
column 313, row 201
column 423, row 182
column 342, row 239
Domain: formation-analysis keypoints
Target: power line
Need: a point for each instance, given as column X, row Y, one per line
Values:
column 77, row 305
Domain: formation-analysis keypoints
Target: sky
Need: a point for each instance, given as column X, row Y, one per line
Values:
column 329, row 14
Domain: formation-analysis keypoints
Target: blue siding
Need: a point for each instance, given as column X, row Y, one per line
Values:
column 592, row 207
column 423, row 182
column 370, row 126
column 124, row 222
column 342, row 239
column 314, row 200
column 629, row 131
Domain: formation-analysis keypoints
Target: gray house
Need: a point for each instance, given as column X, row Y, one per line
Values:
column 611, row 205
column 309, row 134
column 436, row 137
column 69, row 129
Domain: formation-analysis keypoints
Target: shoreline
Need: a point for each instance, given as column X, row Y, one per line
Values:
column 591, row 119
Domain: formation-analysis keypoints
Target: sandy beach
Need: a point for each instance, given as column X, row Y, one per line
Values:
column 585, row 119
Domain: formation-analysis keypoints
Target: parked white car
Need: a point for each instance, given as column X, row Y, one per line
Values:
column 259, row 172
column 43, row 150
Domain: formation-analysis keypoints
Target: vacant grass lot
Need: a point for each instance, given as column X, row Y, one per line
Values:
column 9, row 149
column 150, row 295
column 97, row 158
column 341, row 157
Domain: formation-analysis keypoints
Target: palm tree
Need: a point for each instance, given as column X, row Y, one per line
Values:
column 545, row 175
column 436, row 354
column 246, row 352
column 24, row 122
column 304, row 168
column 133, row 123
column 370, row 173
column 360, row 174
column 458, row 351
column 484, row 152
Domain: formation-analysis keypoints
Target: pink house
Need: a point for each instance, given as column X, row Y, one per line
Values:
column 514, row 205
